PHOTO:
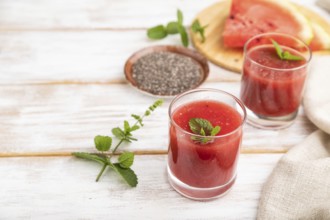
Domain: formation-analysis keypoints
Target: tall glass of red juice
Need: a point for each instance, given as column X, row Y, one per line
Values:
column 206, row 169
column 272, row 86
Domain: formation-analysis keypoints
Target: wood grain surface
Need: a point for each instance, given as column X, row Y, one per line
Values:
column 73, row 57
column 65, row 188
column 62, row 83
column 65, row 118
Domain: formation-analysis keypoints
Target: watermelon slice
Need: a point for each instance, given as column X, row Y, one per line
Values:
column 251, row 17
column 321, row 40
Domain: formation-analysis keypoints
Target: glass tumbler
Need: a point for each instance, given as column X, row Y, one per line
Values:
column 272, row 86
column 204, row 167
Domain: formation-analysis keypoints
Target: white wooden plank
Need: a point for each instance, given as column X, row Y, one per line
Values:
column 92, row 56
column 94, row 14
column 102, row 14
column 64, row 188
column 56, row 118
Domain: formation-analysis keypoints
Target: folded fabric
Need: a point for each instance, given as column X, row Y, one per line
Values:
column 299, row 186
column 317, row 93
column 324, row 4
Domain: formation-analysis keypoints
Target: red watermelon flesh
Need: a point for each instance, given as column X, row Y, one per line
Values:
column 251, row 17
column 316, row 44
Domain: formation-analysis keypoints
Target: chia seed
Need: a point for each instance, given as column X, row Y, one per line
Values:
column 166, row 73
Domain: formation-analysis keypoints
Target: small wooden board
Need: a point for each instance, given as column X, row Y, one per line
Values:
column 232, row 59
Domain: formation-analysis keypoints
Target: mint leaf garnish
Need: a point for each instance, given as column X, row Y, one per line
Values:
column 126, row 126
column 184, row 36
column 196, row 27
column 202, row 132
column 126, row 159
column 285, row 55
column 128, row 174
column 197, row 124
column 138, row 119
column 172, row 27
column 278, row 49
column 134, row 127
column 182, row 29
column 102, row 143
column 215, row 130
column 118, row 133
column 204, row 128
column 179, row 16
column 157, row 32
column 289, row 56
column 89, row 156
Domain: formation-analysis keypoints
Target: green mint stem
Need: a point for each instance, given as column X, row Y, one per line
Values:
column 119, row 143
column 101, row 172
column 122, row 140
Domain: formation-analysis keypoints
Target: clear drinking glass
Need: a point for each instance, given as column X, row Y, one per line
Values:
column 271, row 87
column 204, row 170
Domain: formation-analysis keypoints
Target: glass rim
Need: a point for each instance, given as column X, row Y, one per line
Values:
column 277, row 34
column 237, row 100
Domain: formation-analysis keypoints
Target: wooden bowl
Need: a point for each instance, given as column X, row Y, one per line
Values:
column 196, row 56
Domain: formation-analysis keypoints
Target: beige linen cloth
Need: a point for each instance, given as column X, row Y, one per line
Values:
column 324, row 4
column 299, row 186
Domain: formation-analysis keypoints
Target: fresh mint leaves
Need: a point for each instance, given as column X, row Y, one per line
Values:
column 204, row 128
column 179, row 16
column 157, row 32
column 102, row 143
column 288, row 56
column 184, row 36
column 176, row 27
column 198, row 124
column 173, row 27
column 89, row 156
column 196, row 27
column 125, row 159
column 127, row 173
column 285, row 55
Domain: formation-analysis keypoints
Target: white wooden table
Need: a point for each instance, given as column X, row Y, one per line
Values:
column 61, row 73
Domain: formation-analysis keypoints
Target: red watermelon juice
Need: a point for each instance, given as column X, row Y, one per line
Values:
column 198, row 170
column 271, row 87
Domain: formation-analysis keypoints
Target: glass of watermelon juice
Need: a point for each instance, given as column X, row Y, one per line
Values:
column 204, row 167
column 272, row 86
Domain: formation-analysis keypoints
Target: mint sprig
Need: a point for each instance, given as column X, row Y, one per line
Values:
column 172, row 27
column 125, row 159
column 176, row 27
column 285, row 55
column 204, row 128
column 196, row 27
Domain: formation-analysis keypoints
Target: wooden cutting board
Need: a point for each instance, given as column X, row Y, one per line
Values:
column 232, row 59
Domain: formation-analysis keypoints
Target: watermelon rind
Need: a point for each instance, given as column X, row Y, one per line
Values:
column 322, row 36
column 306, row 34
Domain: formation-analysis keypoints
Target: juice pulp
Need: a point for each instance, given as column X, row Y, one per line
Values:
column 205, row 165
column 271, row 86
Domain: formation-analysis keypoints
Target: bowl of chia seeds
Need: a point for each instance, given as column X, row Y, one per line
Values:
column 166, row 71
